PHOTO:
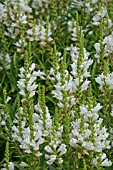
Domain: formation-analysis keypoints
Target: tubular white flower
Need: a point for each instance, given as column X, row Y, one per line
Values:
column 50, row 158
column 11, row 166
column 23, row 164
column 106, row 163
column 97, row 47
column 32, row 67
column 85, row 85
column 48, row 149
column 62, row 149
column 60, row 160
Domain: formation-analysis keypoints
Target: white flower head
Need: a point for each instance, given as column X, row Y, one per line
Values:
column 48, row 149
column 11, row 166
column 85, row 85
column 106, row 163
column 50, row 158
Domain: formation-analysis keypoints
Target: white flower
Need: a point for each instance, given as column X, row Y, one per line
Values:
column 29, row 31
column 22, row 19
column 62, row 149
column 97, row 47
column 73, row 142
column 21, row 43
column 60, row 160
column 32, row 67
column 87, row 133
column 32, row 79
column 50, row 158
column 69, row 27
column 51, row 72
column 8, row 99
column 21, row 84
column 22, row 93
column 3, row 123
column 100, row 80
column 23, row 164
column 61, row 105
column 5, row 60
column 85, row 85
column 22, row 70
column 11, row 166
column 103, row 156
column 111, row 113
column 109, row 80
column 97, row 108
column 57, row 94
column 31, row 88
column 48, row 149
column 15, row 129
column 58, row 77
column 106, row 163
column 83, row 109
column 39, row 73
column 38, row 108
column 88, row 145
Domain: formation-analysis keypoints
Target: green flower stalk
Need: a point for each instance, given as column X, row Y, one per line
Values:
column 77, row 26
column 5, row 117
column 7, row 155
column 8, row 165
column 101, row 43
column 55, row 59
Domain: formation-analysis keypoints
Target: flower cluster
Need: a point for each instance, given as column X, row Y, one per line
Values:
column 108, row 41
column 28, row 77
column 108, row 49
column 40, row 5
column 104, row 160
column 101, row 14
column 4, row 115
column 105, row 80
column 5, row 61
column 40, row 33
column 55, row 149
column 87, row 5
column 22, row 132
column 17, row 13
column 72, row 29
column 10, row 166
column 88, row 133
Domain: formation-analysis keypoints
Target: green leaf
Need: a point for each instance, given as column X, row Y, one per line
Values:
column 18, row 166
column 51, row 167
column 93, row 70
column 50, row 98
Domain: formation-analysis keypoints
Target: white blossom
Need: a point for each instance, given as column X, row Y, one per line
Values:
column 85, row 85
column 50, row 158
column 23, row 164
column 106, row 163
column 11, row 166
column 108, row 41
